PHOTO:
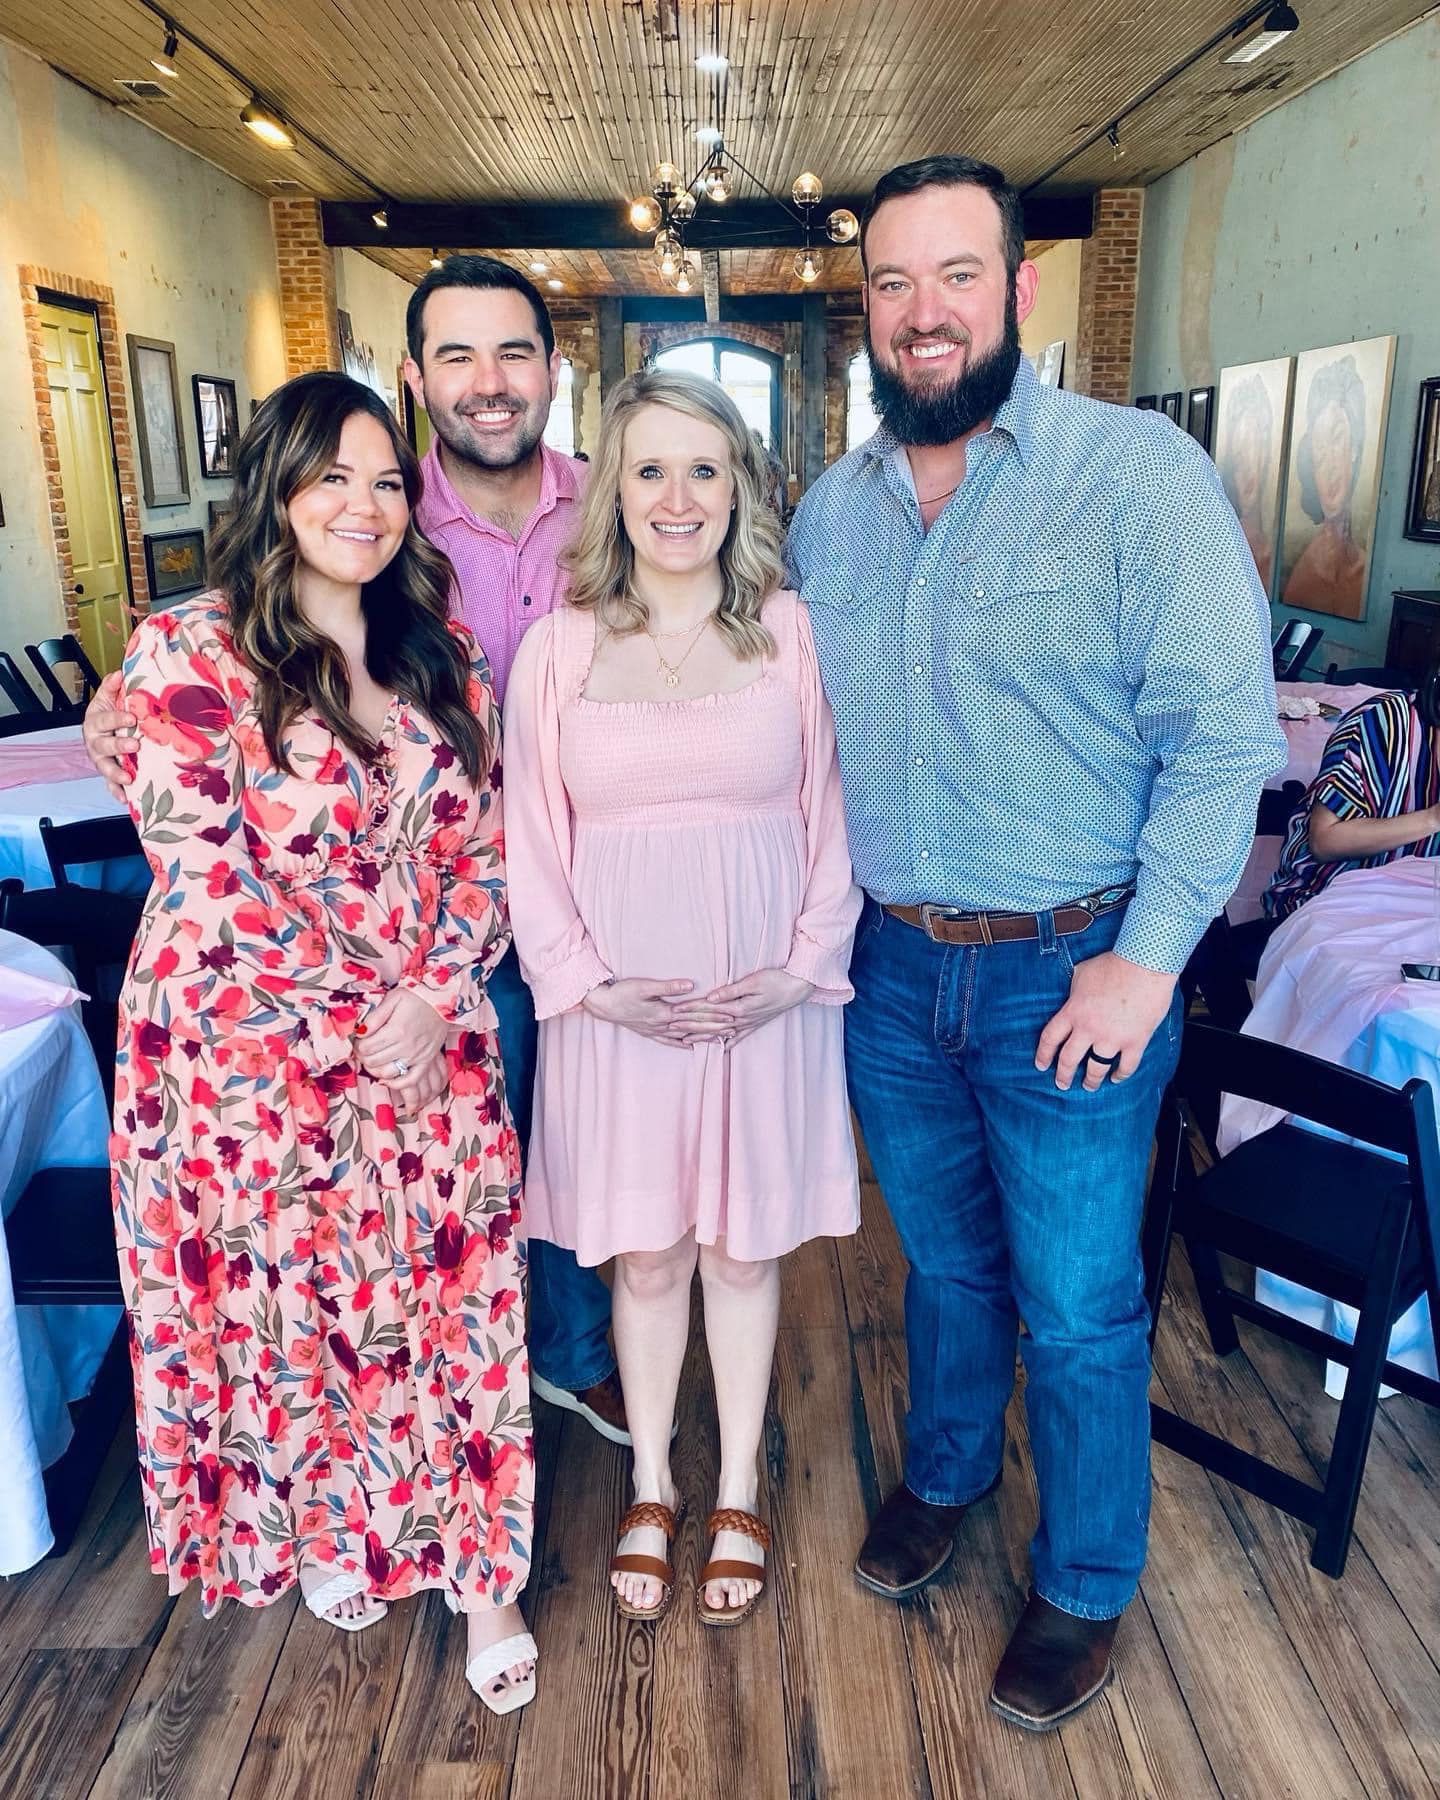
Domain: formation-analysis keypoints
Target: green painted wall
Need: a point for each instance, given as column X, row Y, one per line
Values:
column 1319, row 224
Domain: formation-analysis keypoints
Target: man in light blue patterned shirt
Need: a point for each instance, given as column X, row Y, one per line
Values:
column 1047, row 653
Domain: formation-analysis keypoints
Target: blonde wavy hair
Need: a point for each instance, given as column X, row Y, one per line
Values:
column 601, row 561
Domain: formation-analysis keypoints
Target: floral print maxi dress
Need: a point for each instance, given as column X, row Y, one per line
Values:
column 325, row 1299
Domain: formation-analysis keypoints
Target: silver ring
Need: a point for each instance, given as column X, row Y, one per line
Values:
column 401, row 1068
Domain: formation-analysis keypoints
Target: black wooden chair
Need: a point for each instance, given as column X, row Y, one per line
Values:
column 96, row 929
column 55, row 653
column 61, row 1239
column 1377, row 678
column 1354, row 1225
column 1228, row 956
column 1294, row 644
column 85, row 841
column 18, row 691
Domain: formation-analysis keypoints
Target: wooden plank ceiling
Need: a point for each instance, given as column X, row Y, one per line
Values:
column 556, row 100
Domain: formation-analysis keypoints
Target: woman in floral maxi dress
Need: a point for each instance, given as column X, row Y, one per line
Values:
column 323, row 1272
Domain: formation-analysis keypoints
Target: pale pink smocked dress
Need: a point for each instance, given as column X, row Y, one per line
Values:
column 702, row 839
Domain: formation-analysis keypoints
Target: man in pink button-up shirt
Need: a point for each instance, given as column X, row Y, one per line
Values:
column 502, row 506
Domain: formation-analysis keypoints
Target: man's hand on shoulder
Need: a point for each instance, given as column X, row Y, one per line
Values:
column 1113, row 1010
column 110, row 733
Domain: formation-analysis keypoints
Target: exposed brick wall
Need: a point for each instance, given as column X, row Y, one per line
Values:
column 306, row 264
column 643, row 343
column 1109, row 271
column 32, row 280
column 844, row 336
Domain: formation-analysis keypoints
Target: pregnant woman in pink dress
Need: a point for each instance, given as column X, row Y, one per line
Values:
column 683, row 909
column 316, row 1177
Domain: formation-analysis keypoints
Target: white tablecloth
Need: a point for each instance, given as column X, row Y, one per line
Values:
column 66, row 802
column 1330, row 983
column 52, row 1110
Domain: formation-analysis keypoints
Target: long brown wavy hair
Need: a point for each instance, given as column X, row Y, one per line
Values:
column 601, row 561
column 291, row 443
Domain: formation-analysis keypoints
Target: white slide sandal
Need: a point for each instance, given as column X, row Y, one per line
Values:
column 344, row 1586
column 485, row 1665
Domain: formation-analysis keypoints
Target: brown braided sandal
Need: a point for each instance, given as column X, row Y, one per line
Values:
column 731, row 1518
column 661, row 1518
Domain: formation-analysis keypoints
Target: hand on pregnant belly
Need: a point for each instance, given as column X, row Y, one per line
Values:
column 744, row 1005
column 643, row 1005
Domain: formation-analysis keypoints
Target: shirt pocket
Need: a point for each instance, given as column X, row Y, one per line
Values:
column 837, row 590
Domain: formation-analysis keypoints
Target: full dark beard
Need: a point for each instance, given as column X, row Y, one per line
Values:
column 942, row 414
column 454, row 433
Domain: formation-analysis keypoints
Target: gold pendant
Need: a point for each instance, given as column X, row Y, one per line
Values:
column 672, row 679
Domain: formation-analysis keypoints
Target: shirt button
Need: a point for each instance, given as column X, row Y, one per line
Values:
column 924, row 856
column 919, row 762
column 527, row 600
column 920, row 580
column 979, row 593
column 919, row 668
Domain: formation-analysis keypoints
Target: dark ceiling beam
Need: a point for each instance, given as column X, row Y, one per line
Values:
column 739, row 225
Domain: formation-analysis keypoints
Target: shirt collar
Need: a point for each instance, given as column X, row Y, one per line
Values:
column 1015, row 417
column 441, row 505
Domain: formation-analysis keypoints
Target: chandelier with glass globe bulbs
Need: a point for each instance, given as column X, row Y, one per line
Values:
column 670, row 206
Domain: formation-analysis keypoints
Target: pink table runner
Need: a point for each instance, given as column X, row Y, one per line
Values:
column 29, row 759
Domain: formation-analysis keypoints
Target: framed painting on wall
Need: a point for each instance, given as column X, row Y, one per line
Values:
column 1423, row 519
column 1252, row 411
column 1199, row 415
column 217, row 424
column 1170, row 406
column 1144, row 403
column 158, row 432
column 174, row 563
column 1342, row 396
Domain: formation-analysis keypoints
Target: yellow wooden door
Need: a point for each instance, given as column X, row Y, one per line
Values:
column 87, row 477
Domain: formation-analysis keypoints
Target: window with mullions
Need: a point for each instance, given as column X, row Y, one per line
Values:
column 747, row 376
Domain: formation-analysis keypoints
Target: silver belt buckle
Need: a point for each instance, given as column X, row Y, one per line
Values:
column 929, row 912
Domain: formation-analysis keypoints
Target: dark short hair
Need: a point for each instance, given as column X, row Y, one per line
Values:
column 954, row 171
column 474, row 272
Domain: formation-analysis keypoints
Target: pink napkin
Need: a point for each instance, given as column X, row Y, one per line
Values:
column 25, row 998
column 23, row 764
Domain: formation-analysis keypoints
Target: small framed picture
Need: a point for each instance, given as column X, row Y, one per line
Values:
column 1144, row 403
column 1170, row 405
column 1423, row 518
column 174, row 563
column 220, row 511
column 1199, row 414
column 217, row 423
column 159, row 435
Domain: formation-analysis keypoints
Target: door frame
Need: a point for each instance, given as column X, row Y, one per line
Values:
column 40, row 287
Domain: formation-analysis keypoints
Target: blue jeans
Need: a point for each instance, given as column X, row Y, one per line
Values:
column 569, row 1306
column 1014, row 1201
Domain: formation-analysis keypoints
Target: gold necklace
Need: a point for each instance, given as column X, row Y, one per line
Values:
column 671, row 671
column 934, row 497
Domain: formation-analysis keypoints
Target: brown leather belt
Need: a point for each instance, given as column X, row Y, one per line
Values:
column 948, row 925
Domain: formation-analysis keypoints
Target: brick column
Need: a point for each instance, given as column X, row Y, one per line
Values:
column 1109, row 271
column 307, row 286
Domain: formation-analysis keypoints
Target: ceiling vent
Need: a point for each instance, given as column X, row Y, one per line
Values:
column 282, row 184
column 145, row 90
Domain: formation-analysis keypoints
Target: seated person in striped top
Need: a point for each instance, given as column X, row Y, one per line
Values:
column 1376, row 798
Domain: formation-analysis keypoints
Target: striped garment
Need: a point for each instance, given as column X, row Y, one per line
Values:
column 1380, row 762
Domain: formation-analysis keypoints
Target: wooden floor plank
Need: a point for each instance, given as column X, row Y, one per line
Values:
column 1227, row 1397
column 59, row 1716
column 442, row 1781
column 850, row 1709
column 324, row 1717
column 185, row 1731
column 1260, row 1719
column 588, row 1732
column 718, row 1695
column 27, row 1601
column 113, row 1600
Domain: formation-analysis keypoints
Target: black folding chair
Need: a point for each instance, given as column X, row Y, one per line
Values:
column 1377, row 678
column 61, row 1239
column 55, row 653
column 1295, row 643
column 1352, row 1224
column 1227, row 957
column 88, row 841
column 18, row 691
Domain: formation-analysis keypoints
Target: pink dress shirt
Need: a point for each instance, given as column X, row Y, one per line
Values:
column 505, row 584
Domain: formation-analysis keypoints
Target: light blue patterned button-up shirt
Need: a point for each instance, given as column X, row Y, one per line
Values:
column 1063, row 686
